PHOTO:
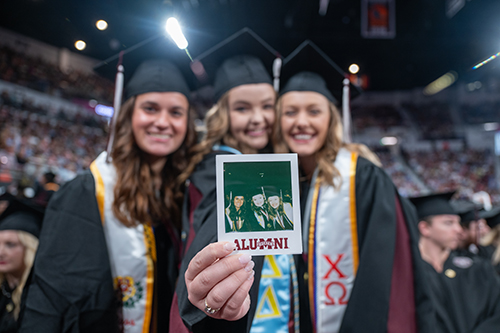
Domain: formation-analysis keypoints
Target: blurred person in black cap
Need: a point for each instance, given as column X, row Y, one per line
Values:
column 19, row 231
column 492, row 238
column 241, row 121
column 109, row 250
column 46, row 187
column 465, row 290
column 469, row 236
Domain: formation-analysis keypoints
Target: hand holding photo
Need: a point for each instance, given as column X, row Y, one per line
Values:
column 258, row 203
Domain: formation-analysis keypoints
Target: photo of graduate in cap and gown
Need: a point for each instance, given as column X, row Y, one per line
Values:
column 259, row 209
column 237, row 217
column 465, row 290
column 280, row 213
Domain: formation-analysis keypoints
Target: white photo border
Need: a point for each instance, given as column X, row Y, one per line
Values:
column 290, row 241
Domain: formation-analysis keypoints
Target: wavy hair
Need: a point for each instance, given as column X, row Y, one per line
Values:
column 327, row 154
column 30, row 244
column 218, row 127
column 136, row 200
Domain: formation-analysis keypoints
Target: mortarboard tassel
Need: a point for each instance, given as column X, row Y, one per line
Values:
column 276, row 73
column 346, row 112
column 117, row 103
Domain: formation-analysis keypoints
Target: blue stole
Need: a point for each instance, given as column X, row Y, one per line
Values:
column 273, row 307
column 226, row 148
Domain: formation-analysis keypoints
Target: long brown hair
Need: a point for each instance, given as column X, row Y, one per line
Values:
column 136, row 200
column 327, row 154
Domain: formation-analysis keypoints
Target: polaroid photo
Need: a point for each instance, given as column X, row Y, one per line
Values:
column 258, row 203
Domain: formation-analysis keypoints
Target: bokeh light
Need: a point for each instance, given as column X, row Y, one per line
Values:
column 80, row 45
column 354, row 69
column 101, row 25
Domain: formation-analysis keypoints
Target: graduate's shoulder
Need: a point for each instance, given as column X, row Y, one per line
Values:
column 74, row 194
column 367, row 171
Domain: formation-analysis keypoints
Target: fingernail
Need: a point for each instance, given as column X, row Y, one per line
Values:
column 245, row 258
column 251, row 275
column 229, row 247
column 249, row 266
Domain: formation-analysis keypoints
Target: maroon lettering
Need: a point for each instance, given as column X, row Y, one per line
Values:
column 278, row 243
column 243, row 247
column 253, row 243
column 330, row 300
column 333, row 266
column 237, row 245
column 286, row 243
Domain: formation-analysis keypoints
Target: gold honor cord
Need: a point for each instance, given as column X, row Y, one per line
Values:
column 354, row 221
column 312, row 228
column 99, row 189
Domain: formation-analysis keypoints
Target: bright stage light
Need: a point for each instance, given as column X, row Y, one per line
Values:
column 101, row 25
column 174, row 30
column 353, row 69
column 80, row 45
column 389, row 141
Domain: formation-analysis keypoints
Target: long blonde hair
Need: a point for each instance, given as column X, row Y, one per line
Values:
column 135, row 195
column 493, row 238
column 30, row 244
column 327, row 154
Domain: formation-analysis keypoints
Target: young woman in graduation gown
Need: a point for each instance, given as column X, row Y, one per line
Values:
column 363, row 271
column 240, row 122
column 19, row 232
column 108, row 255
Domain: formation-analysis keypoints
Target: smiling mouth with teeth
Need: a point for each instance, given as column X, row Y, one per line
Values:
column 160, row 136
column 302, row 136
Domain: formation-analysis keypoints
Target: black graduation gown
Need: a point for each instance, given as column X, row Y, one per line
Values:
column 379, row 208
column 466, row 298
column 72, row 287
column 7, row 322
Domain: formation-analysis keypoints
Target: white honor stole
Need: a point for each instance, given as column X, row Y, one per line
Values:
column 333, row 253
column 132, row 253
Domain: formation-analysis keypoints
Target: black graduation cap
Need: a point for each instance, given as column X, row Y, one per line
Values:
column 434, row 204
column 21, row 215
column 271, row 191
column 492, row 216
column 308, row 68
column 242, row 58
column 466, row 210
column 155, row 64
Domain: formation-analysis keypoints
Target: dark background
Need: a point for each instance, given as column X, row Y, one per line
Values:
column 427, row 45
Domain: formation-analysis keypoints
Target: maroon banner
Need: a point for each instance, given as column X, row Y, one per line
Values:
column 378, row 18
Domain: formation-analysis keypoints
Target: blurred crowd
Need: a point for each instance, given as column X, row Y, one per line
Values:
column 37, row 74
column 35, row 139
